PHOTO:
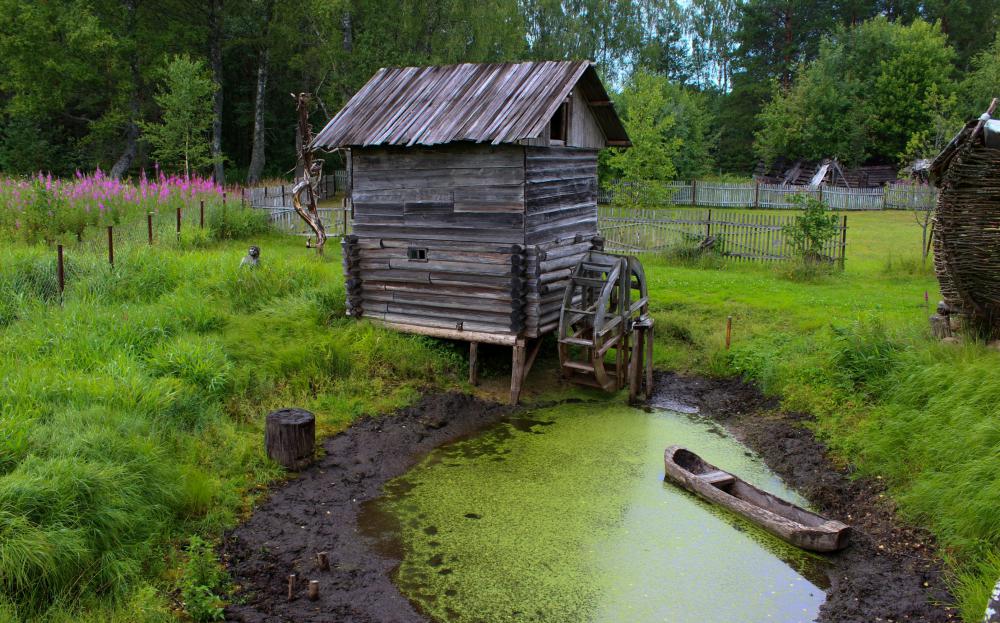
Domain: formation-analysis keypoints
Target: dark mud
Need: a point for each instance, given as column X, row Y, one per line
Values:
column 318, row 511
column 891, row 571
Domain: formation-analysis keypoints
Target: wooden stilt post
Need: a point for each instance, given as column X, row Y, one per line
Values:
column 517, row 371
column 291, row 587
column 649, row 360
column 313, row 590
column 473, row 363
column 635, row 368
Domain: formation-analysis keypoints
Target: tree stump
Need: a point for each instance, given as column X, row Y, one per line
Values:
column 290, row 436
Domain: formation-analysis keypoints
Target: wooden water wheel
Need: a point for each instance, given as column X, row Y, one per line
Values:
column 605, row 330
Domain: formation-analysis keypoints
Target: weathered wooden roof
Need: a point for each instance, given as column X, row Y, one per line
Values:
column 484, row 103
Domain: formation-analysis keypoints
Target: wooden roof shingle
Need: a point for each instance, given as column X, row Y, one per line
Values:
column 479, row 102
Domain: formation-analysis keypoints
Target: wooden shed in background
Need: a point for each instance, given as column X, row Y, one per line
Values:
column 474, row 193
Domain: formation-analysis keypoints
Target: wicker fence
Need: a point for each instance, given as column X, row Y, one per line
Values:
column 745, row 237
column 752, row 195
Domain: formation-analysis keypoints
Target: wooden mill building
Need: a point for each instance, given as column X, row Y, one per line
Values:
column 474, row 193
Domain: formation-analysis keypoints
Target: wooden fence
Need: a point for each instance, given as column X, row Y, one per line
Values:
column 280, row 195
column 336, row 221
column 752, row 195
column 746, row 237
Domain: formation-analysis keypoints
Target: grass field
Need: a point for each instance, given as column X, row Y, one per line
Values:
column 132, row 412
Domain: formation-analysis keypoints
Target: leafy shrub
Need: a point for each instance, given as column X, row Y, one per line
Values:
column 201, row 579
column 811, row 231
column 237, row 223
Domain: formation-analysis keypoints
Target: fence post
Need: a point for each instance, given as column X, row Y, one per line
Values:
column 694, row 192
column 843, row 242
column 178, row 221
column 223, row 197
column 345, row 220
column 756, row 195
column 885, row 187
column 149, row 226
column 111, row 245
column 201, row 214
column 61, row 274
column 821, row 193
column 708, row 225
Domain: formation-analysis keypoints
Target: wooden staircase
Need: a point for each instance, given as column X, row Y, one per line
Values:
column 605, row 330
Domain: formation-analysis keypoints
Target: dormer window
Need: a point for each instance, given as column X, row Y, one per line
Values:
column 559, row 126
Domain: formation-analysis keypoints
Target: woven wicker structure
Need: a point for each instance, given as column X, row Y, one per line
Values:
column 967, row 224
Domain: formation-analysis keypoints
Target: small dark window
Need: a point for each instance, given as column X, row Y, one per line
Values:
column 558, row 127
column 416, row 255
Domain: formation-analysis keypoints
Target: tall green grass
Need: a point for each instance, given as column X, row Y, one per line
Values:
column 131, row 408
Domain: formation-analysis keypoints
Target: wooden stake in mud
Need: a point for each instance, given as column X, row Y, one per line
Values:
column 323, row 561
column 111, row 245
column 149, row 226
column 201, row 214
column 313, row 590
column 729, row 331
column 61, row 275
column 291, row 586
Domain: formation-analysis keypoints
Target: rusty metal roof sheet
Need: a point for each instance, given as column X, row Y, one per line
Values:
column 480, row 102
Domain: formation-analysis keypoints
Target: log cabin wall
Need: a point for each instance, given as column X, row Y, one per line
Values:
column 560, row 226
column 439, row 237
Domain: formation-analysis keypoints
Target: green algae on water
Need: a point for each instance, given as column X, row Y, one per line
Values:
column 564, row 516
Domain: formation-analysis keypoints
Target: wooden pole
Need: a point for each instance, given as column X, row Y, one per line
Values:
column 149, row 226
column 201, row 214
column 313, row 590
column 473, row 363
column 729, row 331
column 60, row 272
column 178, row 221
column 517, row 371
column 843, row 242
column 291, row 586
column 111, row 245
column 708, row 225
column 694, row 192
column 756, row 195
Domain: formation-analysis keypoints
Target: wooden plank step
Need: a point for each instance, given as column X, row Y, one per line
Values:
column 590, row 283
column 718, row 478
column 578, row 365
column 577, row 341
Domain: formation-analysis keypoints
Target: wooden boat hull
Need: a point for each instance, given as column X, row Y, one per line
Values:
column 781, row 518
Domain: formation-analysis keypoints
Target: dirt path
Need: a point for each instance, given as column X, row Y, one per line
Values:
column 890, row 573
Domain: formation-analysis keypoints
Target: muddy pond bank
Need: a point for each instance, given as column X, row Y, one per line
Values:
column 319, row 512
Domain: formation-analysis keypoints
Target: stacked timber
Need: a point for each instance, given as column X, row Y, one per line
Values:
column 352, row 275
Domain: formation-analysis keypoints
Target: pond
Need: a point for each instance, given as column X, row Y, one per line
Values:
column 562, row 514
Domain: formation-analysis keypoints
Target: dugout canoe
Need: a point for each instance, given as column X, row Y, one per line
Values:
column 781, row 518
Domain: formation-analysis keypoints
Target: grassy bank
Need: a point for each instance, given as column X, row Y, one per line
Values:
column 855, row 349
column 132, row 413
